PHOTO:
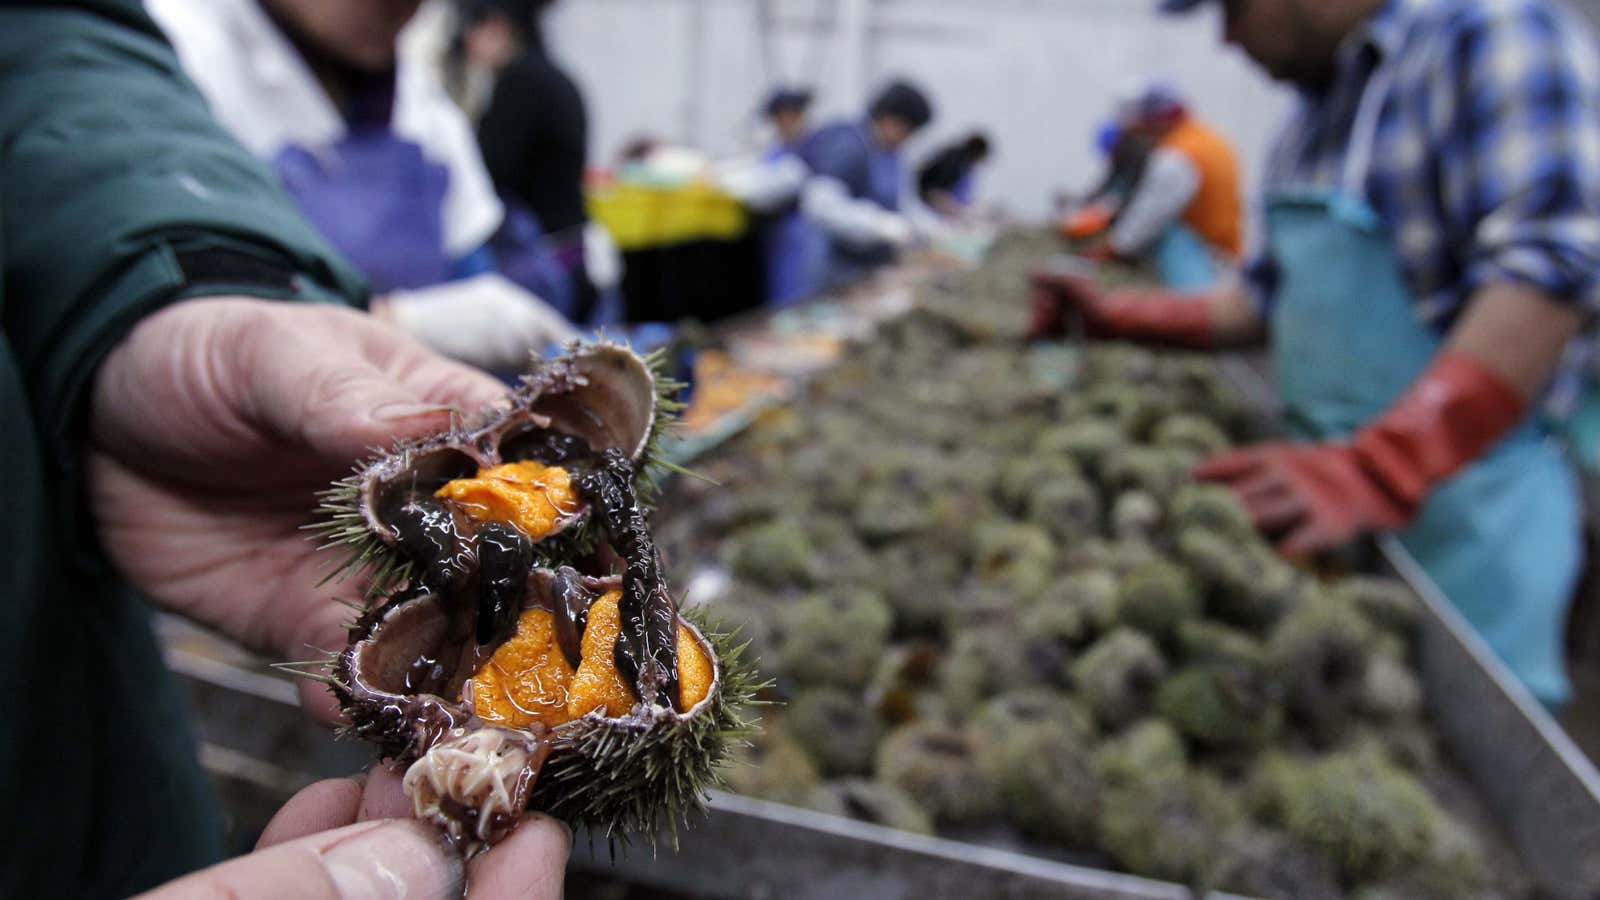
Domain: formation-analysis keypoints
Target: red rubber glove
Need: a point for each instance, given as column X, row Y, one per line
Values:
column 1155, row 317
column 1315, row 497
column 1101, row 253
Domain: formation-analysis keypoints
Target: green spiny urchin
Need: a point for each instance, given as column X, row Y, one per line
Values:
column 1213, row 508
column 1169, row 829
column 1320, row 651
column 1157, row 471
column 1090, row 590
column 1388, row 602
column 832, row 639
column 1135, row 516
column 1204, row 642
column 936, row 766
column 1259, row 862
column 1032, row 747
column 777, row 554
column 771, row 766
column 1148, row 750
column 1118, row 676
column 1023, row 474
column 836, row 728
column 981, row 663
column 1086, row 442
column 870, row 800
column 1372, row 819
column 1194, row 434
column 1016, row 557
column 1068, row 507
column 1157, row 598
column 1220, row 707
column 1049, row 633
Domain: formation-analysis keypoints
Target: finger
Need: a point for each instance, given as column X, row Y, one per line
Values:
column 366, row 861
column 530, row 863
column 321, row 807
column 385, row 795
column 1274, row 506
column 1310, row 539
column 1230, row 466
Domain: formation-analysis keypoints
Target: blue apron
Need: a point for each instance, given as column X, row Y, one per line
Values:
column 883, row 174
column 529, row 258
column 377, row 200
column 1184, row 261
column 1502, row 537
column 796, row 251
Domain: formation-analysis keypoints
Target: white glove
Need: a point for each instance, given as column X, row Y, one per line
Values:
column 895, row 230
column 602, row 261
column 484, row 320
column 856, row 223
column 761, row 185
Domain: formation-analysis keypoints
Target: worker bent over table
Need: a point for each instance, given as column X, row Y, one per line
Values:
column 1432, row 248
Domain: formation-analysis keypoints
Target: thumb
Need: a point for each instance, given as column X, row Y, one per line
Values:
column 370, row 861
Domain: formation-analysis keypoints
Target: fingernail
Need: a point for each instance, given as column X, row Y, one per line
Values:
column 397, row 860
column 390, row 412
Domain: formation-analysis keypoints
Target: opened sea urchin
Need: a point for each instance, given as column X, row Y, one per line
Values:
column 504, row 659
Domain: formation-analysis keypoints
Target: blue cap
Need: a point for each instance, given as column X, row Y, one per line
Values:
column 1173, row 7
column 786, row 99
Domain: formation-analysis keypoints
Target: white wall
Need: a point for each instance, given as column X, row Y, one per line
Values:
column 1039, row 75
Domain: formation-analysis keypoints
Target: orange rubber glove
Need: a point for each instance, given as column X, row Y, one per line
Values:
column 1086, row 222
column 1315, row 497
column 1155, row 317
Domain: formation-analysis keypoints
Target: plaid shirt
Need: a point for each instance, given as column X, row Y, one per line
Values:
column 1486, row 159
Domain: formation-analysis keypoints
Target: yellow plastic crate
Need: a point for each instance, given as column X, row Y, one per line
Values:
column 643, row 216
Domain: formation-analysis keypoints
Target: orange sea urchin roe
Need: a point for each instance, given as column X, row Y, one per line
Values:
column 529, row 495
column 598, row 684
column 529, row 680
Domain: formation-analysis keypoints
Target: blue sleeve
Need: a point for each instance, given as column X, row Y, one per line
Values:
column 838, row 152
column 1520, row 150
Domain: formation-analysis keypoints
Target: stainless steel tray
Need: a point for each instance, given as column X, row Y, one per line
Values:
column 1538, row 784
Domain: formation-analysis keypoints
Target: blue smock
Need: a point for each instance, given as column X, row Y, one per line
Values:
column 1502, row 538
column 378, row 200
column 845, row 151
column 796, row 250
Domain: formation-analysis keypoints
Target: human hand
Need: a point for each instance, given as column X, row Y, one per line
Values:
column 1307, row 498
column 213, row 424
column 1087, row 221
column 1151, row 316
column 347, row 838
column 1054, row 297
column 485, row 320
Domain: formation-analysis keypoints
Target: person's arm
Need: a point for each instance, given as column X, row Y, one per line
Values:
column 856, row 223
column 1496, row 362
column 1164, row 191
column 1224, row 317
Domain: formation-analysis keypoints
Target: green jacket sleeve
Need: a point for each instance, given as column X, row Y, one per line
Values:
column 118, row 193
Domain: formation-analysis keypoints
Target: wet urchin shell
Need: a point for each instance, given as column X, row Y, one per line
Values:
column 640, row 773
column 602, row 394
